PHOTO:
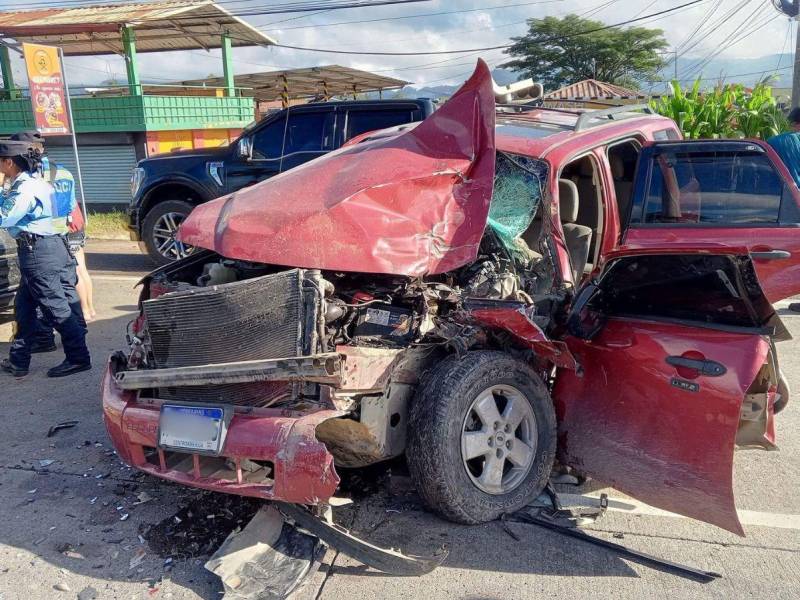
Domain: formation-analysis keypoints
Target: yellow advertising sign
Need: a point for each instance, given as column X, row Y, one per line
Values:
column 46, row 83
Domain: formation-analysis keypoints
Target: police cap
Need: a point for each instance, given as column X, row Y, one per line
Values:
column 30, row 136
column 11, row 148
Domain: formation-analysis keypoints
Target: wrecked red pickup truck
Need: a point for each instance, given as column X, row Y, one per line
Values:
column 491, row 291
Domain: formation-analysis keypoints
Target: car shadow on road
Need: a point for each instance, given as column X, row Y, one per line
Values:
column 98, row 260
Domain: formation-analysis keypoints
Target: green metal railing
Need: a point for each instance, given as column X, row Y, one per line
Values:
column 105, row 113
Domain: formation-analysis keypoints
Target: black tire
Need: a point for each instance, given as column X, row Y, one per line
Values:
column 149, row 235
column 435, row 428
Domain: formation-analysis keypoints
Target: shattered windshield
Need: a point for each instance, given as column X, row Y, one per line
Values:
column 518, row 190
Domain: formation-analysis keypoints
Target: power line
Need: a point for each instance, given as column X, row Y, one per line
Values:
column 487, row 48
column 715, row 26
column 736, row 37
column 700, row 24
column 402, row 17
column 785, row 41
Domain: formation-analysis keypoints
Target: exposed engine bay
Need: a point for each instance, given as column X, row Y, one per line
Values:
column 207, row 310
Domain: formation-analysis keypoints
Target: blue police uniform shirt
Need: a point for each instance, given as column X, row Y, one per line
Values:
column 28, row 207
column 787, row 145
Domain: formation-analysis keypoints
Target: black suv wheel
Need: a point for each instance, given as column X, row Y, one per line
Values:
column 481, row 437
column 159, row 229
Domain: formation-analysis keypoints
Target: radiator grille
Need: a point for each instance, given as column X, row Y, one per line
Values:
column 246, row 320
column 268, row 317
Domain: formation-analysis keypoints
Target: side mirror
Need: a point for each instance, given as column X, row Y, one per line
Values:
column 245, row 148
column 583, row 322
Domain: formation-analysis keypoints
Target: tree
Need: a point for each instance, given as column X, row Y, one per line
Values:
column 554, row 55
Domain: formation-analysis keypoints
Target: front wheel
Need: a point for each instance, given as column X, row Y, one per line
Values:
column 482, row 437
column 160, row 228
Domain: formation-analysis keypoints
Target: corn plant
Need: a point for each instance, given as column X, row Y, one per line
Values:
column 727, row 111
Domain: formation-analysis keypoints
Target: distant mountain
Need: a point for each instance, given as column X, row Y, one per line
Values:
column 740, row 70
column 501, row 76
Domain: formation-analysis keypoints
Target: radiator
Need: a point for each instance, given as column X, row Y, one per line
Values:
column 274, row 316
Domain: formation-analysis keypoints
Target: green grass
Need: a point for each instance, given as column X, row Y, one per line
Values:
column 112, row 225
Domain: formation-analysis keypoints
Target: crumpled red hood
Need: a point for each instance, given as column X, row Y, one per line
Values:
column 411, row 204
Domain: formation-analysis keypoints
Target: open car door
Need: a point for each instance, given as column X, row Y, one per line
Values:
column 729, row 193
column 669, row 345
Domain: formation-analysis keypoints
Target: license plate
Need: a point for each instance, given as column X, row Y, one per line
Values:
column 195, row 428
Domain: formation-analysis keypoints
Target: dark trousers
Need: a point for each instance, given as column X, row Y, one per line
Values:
column 48, row 282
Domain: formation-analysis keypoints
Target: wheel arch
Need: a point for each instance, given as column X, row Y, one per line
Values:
column 171, row 189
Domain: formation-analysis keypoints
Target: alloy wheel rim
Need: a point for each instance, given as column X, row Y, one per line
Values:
column 164, row 232
column 499, row 439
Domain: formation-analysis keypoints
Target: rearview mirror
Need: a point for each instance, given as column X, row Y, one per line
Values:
column 245, row 148
column 583, row 322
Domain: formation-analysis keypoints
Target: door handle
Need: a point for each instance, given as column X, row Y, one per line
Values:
column 709, row 368
column 770, row 255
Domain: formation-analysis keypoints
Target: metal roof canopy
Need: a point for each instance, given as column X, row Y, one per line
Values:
column 159, row 26
column 308, row 82
column 590, row 89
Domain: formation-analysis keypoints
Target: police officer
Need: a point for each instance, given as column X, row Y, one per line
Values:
column 47, row 268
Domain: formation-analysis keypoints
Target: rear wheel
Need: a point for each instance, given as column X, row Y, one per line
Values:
column 482, row 437
column 160, row 227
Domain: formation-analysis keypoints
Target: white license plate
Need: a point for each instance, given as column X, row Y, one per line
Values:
column 196, row 428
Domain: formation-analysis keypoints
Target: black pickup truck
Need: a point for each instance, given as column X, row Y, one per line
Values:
column 165, row 188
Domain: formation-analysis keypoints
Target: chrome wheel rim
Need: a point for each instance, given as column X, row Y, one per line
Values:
column 164, row 232
column 499, row 439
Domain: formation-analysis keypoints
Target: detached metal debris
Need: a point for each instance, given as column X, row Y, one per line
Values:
column 272, row 556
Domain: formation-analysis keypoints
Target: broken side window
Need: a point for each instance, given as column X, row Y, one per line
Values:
column 518, row 191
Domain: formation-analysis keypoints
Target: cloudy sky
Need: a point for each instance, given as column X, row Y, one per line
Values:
column 727, row 29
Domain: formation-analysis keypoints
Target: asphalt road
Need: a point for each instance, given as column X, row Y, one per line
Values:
column 63, row 528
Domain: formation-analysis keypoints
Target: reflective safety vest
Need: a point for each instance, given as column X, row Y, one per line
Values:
column 64, row 202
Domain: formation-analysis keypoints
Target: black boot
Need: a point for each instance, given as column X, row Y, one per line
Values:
column 8, row 367
column 68, row 368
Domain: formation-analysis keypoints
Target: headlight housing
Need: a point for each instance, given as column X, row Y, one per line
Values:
column 136, row 180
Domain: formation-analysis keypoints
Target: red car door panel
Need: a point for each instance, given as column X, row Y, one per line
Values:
column 725, row 193
column 630, row 420
column 668, row 344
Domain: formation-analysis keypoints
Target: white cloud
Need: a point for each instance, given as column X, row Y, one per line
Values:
column 443, row 32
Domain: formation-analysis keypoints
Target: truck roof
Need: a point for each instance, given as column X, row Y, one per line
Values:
column 539, row 131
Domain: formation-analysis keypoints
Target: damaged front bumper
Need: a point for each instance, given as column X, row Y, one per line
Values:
column 268, row 453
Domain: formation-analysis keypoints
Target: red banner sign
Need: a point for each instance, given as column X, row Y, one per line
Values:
column 46, row 83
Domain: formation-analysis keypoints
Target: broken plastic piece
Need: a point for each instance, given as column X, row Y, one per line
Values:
column 387, row 561
column 65, row 425
column 267, row 559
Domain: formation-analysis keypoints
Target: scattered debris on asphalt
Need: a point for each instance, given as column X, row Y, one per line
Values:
column 189, row 534
column 87, row 593
column 267, row 560
column 142, row 497
column 137, row 558
column 65, row 425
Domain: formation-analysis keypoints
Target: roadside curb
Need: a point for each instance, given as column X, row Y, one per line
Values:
column 108, row 237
